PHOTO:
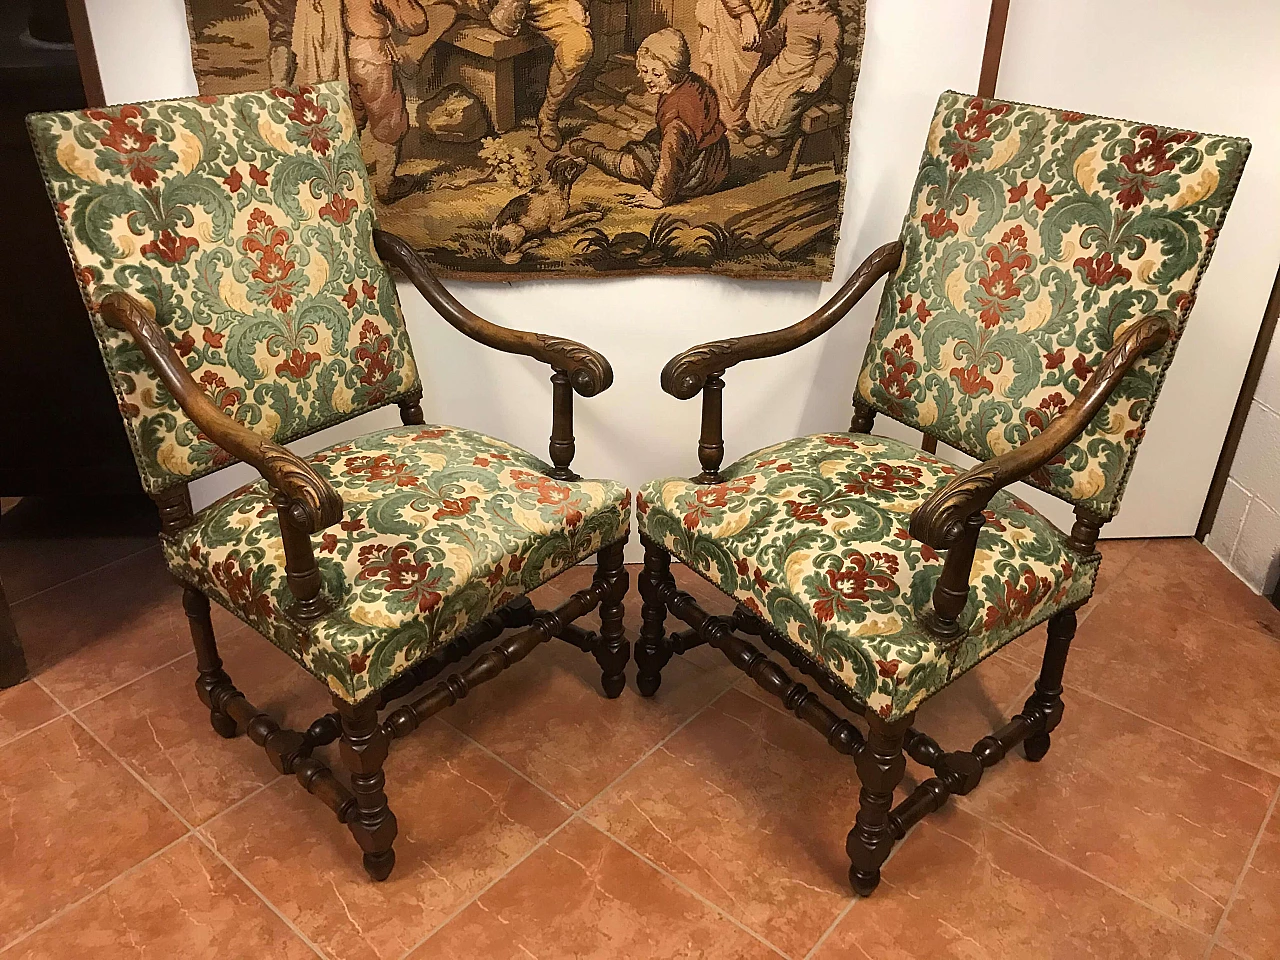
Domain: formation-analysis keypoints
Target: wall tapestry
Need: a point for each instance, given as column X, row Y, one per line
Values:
column 522, row 138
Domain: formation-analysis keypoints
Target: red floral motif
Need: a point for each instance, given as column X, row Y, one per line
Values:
column 455, row 508
column 1049, row 407
column 1146, row 164
column 297, row 364
column 887, row 477
column 309, row 115
column 353, row 525
column 904, row 304
column 329, row 543
column 381, row 468
column 233, row 180
column 273, row 270
column 938, row 224
column 1016, row 193
column 900, row 369
column 888, row 668
column 374, row 356
column 1102, row 270
column 170, row 248
column 338, row 209
column 236, row 579
column 550, row 493
column 1021, row 596
column 213, row 339
column 974, row 129
column 714, row 496
column 806, row 512
column 130, row 141
column 358, row 662
column 836, row 440
column 854, row 582
column 922, row 313
column 411, row 580
column 971, row 381
column 1052, row 361
column 1070, row 116
column 1004, row 265
column 185, row 345
column 430, row 433
column 257, row 176
column 350, row 297
column 370, row 290
column 1081, row 367
column 1042, row 198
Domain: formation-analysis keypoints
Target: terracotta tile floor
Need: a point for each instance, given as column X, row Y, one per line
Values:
column 539, row 820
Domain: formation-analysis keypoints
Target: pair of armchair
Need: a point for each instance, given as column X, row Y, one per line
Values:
column 240, row 292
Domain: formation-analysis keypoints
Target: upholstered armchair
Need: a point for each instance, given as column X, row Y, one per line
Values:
column 1033, row 302
column 239, row 289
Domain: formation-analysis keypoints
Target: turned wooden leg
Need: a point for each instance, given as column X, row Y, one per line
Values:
column 1045, row 705
column 211, row 676
column 652, row 649
column 612, row 650
column 364, row 748
column 880, row 767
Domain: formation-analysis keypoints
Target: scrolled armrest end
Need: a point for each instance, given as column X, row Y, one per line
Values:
column 686, row 374
column 588, row 370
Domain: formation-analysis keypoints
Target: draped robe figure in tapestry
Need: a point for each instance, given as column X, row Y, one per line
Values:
column 376, row 94
column 807, row 41
column 687, row 153
column 319, row 43
column 727, row 55
column 280, row 59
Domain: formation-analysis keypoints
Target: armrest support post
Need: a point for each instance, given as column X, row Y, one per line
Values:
column 562, row 446
column 951, row 592
column 711, row 440
column 864, row 416
column 300, row 569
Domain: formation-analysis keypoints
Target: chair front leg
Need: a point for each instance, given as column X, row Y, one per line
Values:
column 653, row 651
column 881, row 766
column 1045, row 705
column 612, row 651
column 212, row 679
column 364, row 749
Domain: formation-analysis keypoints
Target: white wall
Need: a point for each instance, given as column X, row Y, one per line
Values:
column 1246, row 532
column 914, row 50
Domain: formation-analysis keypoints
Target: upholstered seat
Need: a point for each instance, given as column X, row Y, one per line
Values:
column 811, row 535
column 440, row 527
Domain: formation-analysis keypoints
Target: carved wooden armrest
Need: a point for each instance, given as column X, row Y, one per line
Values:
column 699, row 368
column 952, row 517
column 312, row 504
column 687, row 373
column 589, row 372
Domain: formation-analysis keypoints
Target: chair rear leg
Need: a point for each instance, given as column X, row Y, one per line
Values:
column 1046, row 703
column 364, row 749
column 881, row 766
column 211, row 677
column 612, row 651
column 653, row 652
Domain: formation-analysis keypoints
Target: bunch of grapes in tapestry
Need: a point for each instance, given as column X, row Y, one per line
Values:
column 522, row 138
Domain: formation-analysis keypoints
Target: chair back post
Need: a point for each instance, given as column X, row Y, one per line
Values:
column 1084, row 532
column 411, row 409
column 561, row 446
column 175, row 509
column 300, row 568
column 864, row 416
column 711, row 441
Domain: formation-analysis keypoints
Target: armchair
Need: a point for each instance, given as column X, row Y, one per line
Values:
column 1046, row 267
column 227, row 252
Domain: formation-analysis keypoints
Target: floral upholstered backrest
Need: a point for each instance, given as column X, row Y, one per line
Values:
column 1035, row 237
column 245, row 221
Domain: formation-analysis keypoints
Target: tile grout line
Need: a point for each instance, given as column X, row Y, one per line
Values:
column 80, row 576
column 1248, row 862
column 576, row 815
column 63, row 911
column 191, row 830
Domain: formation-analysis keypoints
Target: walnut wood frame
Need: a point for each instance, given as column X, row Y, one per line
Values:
column 307, row 504
column 949, row 521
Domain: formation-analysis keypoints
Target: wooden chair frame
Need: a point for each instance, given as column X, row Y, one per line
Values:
column 948, row 521
column 307, row 504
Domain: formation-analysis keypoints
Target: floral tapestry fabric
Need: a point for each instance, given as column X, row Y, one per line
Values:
column 441, row 526
column 811, row 536
column 245, row 221
column 1034, row 239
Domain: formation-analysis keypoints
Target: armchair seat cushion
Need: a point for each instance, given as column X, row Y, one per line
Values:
column 811, row 536
column 441, row 526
